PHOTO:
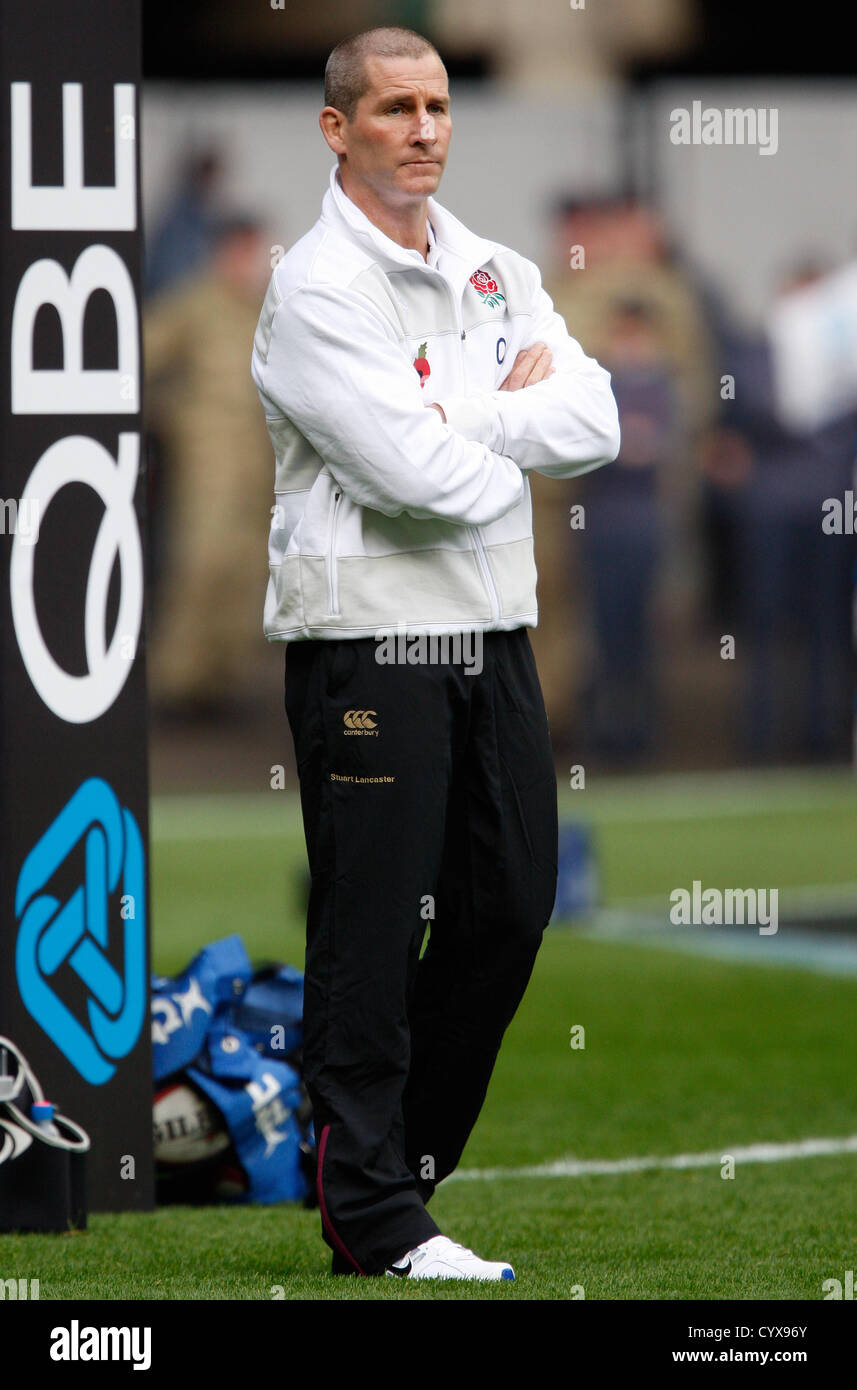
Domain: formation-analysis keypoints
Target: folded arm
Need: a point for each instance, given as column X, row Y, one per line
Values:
column 561, row 426
column 335, row 368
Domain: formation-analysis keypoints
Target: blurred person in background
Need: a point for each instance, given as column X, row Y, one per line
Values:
column 184, row 237
column 197, row 341
column 180, row 244
column 623, row 538
column 616, row 249
column 612, row 251
column 795, row 579
column 724, row 463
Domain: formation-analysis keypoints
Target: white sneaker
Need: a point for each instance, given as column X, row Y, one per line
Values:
column 442, row 1258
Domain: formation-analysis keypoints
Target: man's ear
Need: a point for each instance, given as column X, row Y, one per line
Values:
column 331, row 122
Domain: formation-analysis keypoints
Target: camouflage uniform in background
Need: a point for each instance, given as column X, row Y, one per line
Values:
column 203, row 404
column 585, row 299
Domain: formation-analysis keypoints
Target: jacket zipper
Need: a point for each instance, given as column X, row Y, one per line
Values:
column 486, row 572
column 478, row 543
column 332, row 571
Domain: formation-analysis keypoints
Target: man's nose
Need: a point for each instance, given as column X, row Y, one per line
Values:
column 427, row 130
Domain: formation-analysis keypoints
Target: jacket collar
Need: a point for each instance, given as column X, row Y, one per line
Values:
column 452, row 236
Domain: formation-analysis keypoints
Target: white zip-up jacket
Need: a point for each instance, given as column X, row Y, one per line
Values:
column 385, row 516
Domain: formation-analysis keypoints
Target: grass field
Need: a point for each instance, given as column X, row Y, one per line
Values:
column 685, row 1054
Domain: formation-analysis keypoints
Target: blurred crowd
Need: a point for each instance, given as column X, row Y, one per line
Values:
column 703, row 543
column 211, row 470
column 699, row 550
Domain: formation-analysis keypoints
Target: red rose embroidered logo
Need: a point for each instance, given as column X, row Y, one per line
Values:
column 487, row 288
column 421, row 364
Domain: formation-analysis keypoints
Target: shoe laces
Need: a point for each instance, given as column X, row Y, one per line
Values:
column 423, row 1249
column 454, row 1243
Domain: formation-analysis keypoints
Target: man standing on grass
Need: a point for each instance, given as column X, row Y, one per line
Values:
column 402, row 580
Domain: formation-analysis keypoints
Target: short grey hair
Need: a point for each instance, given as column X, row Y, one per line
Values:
column 345, row 77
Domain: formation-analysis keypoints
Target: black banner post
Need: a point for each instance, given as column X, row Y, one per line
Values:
column 74, row 900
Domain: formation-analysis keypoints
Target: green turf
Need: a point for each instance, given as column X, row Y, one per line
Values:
column 683, row 1054
column 772, row 1233
column 655, row 834
column 650, row 835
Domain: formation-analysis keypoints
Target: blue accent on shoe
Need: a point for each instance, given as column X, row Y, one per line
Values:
column 507, row 1274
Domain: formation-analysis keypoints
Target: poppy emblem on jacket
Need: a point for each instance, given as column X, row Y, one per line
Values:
column 487, row 288
column 421, row 364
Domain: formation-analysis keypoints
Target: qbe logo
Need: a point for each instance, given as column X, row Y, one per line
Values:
column 76, row 389
column 80, row 699
column 64, row 945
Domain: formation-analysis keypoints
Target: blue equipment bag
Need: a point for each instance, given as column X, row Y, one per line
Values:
column 234, row 1034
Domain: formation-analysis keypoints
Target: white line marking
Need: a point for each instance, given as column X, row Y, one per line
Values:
column 607, row 801
column 709, row 796
column 826, row 953
column 828, row 899
column 597, row 1167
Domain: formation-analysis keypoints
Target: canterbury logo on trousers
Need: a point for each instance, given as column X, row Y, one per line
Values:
column 359, row 719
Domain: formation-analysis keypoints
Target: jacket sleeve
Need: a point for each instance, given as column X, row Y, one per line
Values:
column 335, row 368
column 565, row 425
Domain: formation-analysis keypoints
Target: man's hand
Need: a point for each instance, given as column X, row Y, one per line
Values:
column 531, row 366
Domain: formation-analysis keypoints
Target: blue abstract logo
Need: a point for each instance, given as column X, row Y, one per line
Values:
column 76, row 932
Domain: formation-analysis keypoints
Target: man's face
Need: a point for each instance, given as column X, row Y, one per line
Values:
column 397, row 142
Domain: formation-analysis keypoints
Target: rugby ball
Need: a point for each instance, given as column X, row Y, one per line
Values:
column 187, row 1127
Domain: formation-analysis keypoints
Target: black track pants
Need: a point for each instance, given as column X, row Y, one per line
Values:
column 429, row 800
